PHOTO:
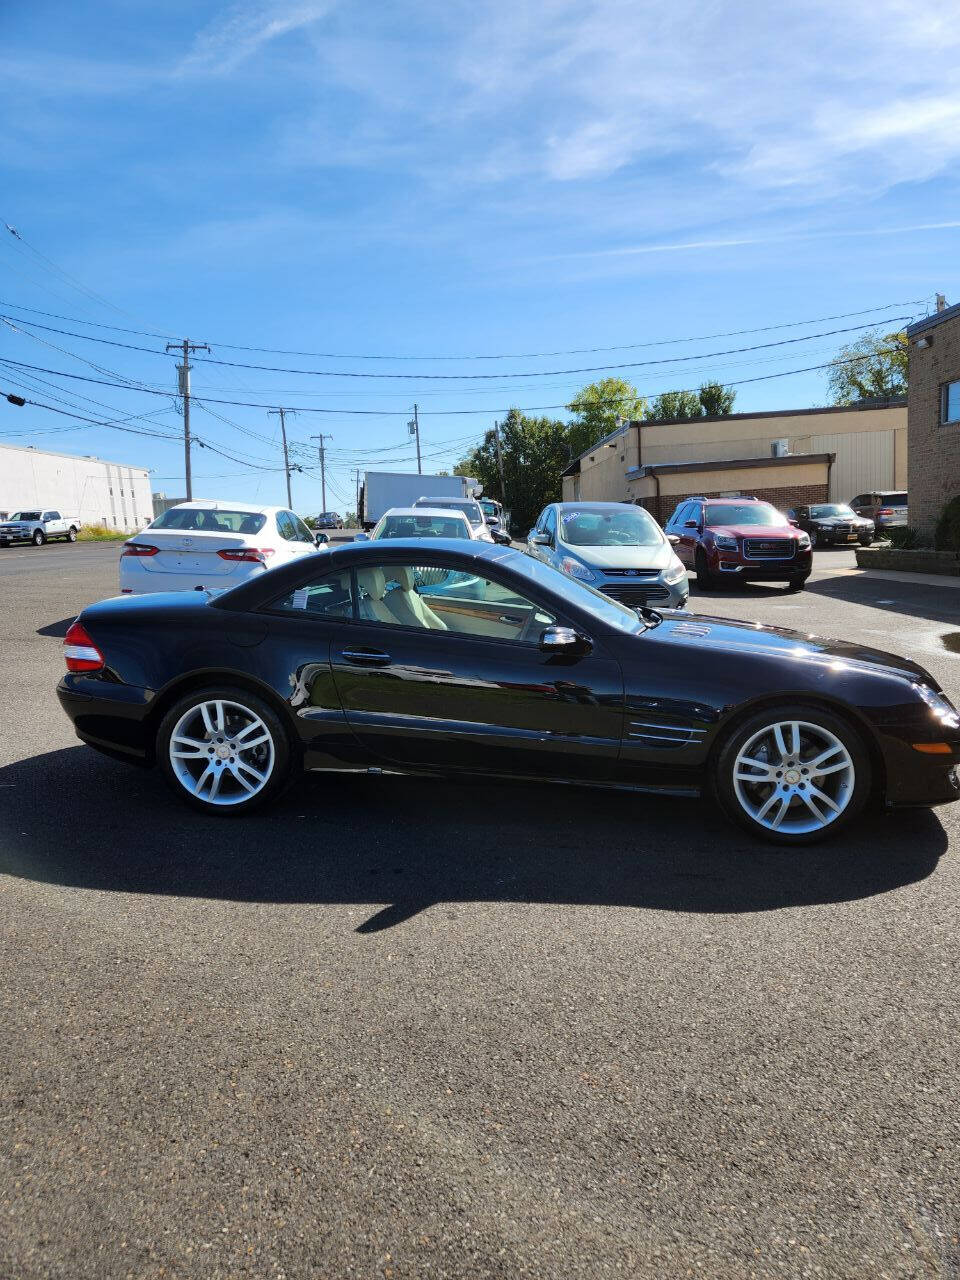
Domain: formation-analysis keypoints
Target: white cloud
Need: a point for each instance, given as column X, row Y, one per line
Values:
column 227, row 42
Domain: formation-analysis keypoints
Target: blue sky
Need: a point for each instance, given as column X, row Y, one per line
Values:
column 429, row 180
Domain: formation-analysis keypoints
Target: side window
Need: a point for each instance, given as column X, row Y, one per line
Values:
column 550, row 522
column 538, row 527
column 435, row 598
column 303, row 533
column 52, row 515
column 680, row 515
column 860, row 500
column 330, row 596
column 286, row 527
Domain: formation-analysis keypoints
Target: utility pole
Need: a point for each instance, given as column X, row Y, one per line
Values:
column 183, row 385
column 414, row 428
column 323, row 464
column 503, row 487
column 282, row 415
column 356, row 477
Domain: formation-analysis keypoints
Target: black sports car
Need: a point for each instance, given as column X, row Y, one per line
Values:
column 460, row 656
column 833, row 523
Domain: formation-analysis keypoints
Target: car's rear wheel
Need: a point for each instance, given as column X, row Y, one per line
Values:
column 39, row 538
column 224, row 751
column 705, row 579
column 793, row 775
column 72, row 535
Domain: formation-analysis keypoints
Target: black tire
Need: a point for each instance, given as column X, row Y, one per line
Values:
column 39, row 538
column 815, row 539
column 72, row 535
column 866, row 540
column 283, row 756
column 722, row 771
column 798, row 582
column 4, row 544
column 705, row 579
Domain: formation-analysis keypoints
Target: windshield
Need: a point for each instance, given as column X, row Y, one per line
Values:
column 743, row 513
column 470, row 508
column 25, row 515
column 832, row 509
column 206, row 519
column 421, row 527
column 602, row 527
column 601, row 607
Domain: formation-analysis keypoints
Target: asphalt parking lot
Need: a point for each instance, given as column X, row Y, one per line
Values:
column 417, row 1028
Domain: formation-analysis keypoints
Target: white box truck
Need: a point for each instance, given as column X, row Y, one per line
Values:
column 385, row 489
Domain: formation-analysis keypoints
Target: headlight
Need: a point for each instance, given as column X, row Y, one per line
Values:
column 939, row 705
column 803, row 542
column 674, row 573
column 577, row 570
column 725, row 542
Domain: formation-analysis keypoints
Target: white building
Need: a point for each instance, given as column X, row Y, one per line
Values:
column 112, row 494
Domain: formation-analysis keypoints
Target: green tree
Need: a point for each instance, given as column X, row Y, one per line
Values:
column 596, row 409
column 534, row 452
column 675, row 406
column 715, row 400
column 874, row 365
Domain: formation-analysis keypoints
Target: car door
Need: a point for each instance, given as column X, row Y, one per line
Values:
column 443, row 669
column 686, row 547
column 861, row 504
column 52, row 523
column 550, row 554
column 304, row 543
column 535, row 549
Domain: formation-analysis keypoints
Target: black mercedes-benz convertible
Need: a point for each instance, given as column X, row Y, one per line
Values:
column 462, row 657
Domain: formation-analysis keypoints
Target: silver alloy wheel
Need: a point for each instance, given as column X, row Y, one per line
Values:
column 221, row 752
column 794, row 777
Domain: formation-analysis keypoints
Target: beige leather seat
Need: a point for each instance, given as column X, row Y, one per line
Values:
column 407, row 607
column 373, row 587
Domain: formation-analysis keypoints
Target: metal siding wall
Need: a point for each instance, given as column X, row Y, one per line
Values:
column 865, row 460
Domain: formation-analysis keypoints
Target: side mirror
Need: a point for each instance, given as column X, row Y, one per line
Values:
column 361, row 537
column 563, row 640
column 673, row 539
column 690, row 524
column 795, row 523
column 541, row 539
column 320, row 539
column 502, row 539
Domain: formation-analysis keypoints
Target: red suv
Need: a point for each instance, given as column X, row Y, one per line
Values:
column 726, row 539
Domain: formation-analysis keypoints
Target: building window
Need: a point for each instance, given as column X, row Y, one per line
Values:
column 950, row 402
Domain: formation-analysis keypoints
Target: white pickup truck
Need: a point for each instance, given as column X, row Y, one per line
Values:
column 38, row 527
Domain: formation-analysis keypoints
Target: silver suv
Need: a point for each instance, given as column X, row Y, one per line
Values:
column 885, row 507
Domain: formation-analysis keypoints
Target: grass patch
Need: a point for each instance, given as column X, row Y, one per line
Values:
column 97, row 533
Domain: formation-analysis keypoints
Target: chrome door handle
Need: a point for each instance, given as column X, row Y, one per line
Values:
column 366, row 657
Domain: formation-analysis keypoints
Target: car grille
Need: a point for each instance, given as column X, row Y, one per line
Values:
column 635, row 594
column 768, row 548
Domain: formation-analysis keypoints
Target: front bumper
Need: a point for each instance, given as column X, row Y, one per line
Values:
column 648, row 591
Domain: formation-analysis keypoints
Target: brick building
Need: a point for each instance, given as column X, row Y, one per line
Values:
column 786, row 456
column 933, row 416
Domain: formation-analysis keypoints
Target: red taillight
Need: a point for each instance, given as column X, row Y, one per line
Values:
column 79, row 650
column 248, row 554
column 885, row 511
column 139, row 550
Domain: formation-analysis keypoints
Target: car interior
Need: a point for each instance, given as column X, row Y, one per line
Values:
column 428, row 598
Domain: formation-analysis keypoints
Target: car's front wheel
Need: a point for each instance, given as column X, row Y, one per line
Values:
column 866, row 540
column 705, row 579
column 797, row 582
column 39, row 538
column 793, row 775
column 224, row 751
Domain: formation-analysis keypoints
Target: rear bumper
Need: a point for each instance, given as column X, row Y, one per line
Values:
column 114, row 723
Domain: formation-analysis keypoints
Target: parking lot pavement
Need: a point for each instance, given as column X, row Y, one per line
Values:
column 421, row 1028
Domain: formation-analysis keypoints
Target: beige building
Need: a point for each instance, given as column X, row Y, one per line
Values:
column 934, row 416
column 787, row 456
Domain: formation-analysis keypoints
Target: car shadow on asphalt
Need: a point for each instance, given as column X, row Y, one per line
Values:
column 76, row 819
column 58, row 629
column 915, row 599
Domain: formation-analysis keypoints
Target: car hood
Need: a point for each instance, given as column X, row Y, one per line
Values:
column 657, row 556
column 702, row 631
column 838, row 520
column 756, row 530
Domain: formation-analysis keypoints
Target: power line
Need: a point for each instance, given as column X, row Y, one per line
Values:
column 463, row 377
column 523, row 355
column 433, row 413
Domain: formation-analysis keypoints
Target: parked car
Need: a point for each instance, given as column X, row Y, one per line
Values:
column 617, row 548
column 328, row 520
column 739, row 539
column 832, row 523
column 212, row 546
column 469, row 506
column 421, row 522
column 38, row 527
column 887, row 508
column 340, row 661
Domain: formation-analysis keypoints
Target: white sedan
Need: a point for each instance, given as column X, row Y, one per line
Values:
column 212, row 546
column 422, row 522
